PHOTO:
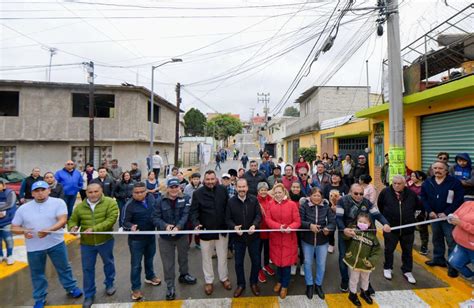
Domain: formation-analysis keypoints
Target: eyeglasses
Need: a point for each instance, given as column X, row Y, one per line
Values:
column 442, row 158
column 358, row 194
column 70, row 164
column 173, row 187
column 303, row 174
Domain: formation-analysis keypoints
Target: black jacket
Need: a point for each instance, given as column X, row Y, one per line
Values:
column 245, row 213
column 57, row 191
column 342, row 188
column 136, row 213
column 321, row 215
column 166, row 214
column 124, row 190
column 136, row 175
column 29, row 181
column 108, row 185
column 208, row 209
column 253, row 180
column 359, row 170
column 398, row 212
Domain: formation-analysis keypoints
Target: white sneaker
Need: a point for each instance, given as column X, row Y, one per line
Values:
column 302, row 270
column 293, row 270
column 120, row 229
column 10, row 260
column 409, row 276
column 387, row 273
column 331, row 249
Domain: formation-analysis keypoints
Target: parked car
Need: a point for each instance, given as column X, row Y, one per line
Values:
column 13, row 179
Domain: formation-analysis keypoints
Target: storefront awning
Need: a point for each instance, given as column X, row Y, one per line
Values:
column 349, row 134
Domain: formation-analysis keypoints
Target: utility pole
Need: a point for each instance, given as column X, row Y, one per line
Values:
column 90, row 79
column 178, row 106
column 265, row 99
column 368, row 86
column 397, row 150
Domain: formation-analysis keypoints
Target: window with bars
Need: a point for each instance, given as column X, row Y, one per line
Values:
column 80, row 155
column 8, row 157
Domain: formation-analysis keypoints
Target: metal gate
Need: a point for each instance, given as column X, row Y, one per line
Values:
column 354, row 146
column 451, row 132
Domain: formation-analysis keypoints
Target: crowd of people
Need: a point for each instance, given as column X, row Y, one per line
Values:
column 328, row 200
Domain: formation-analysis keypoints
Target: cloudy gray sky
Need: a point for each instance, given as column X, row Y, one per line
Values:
column 230, row 49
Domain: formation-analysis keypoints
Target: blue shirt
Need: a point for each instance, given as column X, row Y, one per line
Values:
column 39, row 216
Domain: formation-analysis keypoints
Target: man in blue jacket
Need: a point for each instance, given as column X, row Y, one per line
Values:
column 72, row 181
column 441, row 195
column 171, row 214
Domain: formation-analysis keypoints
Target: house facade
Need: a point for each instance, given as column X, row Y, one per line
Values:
column 44, row 124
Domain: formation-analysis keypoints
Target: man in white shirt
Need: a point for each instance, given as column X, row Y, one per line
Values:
column 36, row 219
column 157, row 163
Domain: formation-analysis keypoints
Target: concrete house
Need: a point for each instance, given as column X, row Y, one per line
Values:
column 46, row 123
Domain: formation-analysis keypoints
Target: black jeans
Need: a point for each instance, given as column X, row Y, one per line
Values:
column 332, row 238
column 406, row 243
column 300, row 247
column 423, row 229
column 254, row 253
column 265, row 246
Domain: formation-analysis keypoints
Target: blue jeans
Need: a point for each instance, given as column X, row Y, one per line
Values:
column 89, row 257
column 442, row 230
column 37, row 263
column 284, row 276
column 143, row 249
column 460, row 258
column 6, row 235
column 342, row 247
column 319, row 253
column 70, row 201
column 253, row 247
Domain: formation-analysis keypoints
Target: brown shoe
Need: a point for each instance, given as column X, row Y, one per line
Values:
column 226, row 284
column 277, row 288
column 238, row 291
column 255, row 289
column 208, row 288
column 137, row 295
column 283, row 293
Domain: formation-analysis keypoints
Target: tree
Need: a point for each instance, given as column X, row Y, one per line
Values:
column 291, row 112
column 223, row 126
column 309, row 154
column 194, row 122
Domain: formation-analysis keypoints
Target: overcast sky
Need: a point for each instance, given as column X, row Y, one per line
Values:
column 230, row 49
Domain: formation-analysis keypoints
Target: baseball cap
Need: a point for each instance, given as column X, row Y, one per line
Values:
column 196, row 175
column 276, row 167
column 172, row 182
column 361, row 156
column 39, row 184
column 226, row 175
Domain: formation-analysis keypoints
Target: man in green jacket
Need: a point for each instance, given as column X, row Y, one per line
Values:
column 97, row 213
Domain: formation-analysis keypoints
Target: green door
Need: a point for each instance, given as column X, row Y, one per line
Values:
column 451, row 132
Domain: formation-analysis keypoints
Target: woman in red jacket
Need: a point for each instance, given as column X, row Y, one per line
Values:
column 283, row 214
column 463, row 234
column 264, row 199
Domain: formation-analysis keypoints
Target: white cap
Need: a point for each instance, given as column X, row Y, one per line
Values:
column 226, row 175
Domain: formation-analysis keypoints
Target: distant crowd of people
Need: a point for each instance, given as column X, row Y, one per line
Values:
column 329, row 199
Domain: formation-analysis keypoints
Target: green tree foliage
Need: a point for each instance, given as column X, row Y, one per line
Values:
column 291, row 112
column 309, row 154
column 223, row 126
column 194, row 122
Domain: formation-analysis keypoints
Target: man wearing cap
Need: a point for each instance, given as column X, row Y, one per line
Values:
column 36, row 219
column 208, row 212
column 361, row 167
column 97, row 213
column 233, row 176
column 227, row 182
column 138, row 217
column 275, row 177
column 171, row 214
column 72, row 181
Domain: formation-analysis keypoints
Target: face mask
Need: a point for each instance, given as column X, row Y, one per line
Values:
column 362, row 226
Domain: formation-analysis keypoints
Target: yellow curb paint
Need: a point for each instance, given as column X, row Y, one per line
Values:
column 161, row 304
column 256, row 302
column 341, row 300
column 7, row 270
column 16, row 242
column 442, row 297
column 68, row 238
column 65, row 306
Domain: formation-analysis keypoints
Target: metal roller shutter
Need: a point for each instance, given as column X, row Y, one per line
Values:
column 451, row 132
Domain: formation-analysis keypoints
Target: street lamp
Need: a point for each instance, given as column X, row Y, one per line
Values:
column 152, row 104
